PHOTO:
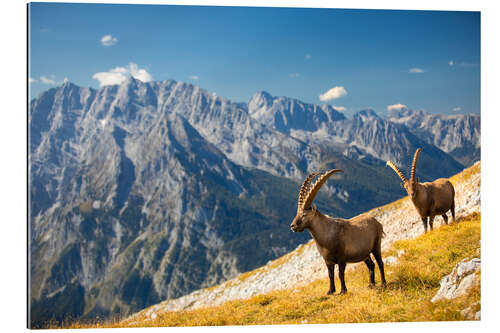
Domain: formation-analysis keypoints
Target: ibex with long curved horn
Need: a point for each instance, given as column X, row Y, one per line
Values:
column 430, row 199
column 339, row 241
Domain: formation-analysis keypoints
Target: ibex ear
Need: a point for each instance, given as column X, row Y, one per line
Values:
column 314, row 209
column 418, row 181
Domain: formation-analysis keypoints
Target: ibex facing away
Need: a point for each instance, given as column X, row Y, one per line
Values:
column 430, row 199
column 339, row 241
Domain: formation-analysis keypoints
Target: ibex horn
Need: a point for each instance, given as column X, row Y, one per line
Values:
column 414, row 164
column 316, row 186
column 395, row 168
column 304, row 189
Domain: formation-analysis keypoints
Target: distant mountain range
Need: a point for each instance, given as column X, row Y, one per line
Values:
column 141, row 192
column 457, row 135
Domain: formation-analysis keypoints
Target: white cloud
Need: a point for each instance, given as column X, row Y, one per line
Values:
column 416, row 70
column 32, row 80
column 66, row 80
column 293, row 75
column 139, row 73
column 194, row 77
column 334, row 93
column 114, row 76
column 119, row 74
column 457, row 109
column 339, row 108
column 108, row 40
column 396, row 107
column 451, row 62
column 46, row 80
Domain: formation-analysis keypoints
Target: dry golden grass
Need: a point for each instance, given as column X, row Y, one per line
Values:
column 412, row 282
column 463, row 176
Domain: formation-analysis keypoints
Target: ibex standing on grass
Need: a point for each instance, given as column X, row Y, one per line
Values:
column 430, row 199
column 339, row 241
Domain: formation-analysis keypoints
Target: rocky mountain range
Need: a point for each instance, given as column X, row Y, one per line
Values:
column 141, row 192
column 457, row 135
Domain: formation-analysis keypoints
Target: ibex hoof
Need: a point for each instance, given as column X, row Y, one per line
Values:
column 343, row 292
column 330, row 292
column 371, row 285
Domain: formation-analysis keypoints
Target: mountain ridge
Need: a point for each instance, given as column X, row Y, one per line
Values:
column 458, row 135
column 366, row 133
column 145, row 191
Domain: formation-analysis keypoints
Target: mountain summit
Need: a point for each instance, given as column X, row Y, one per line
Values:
column 286, row 114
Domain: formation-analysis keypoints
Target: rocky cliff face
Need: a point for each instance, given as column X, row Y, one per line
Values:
column 457, row 135
column 365, row 136
column 129, row 204
column 147, row 191
column 286, row 114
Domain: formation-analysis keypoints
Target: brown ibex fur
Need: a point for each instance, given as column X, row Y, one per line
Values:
column 430, row 199
column 339, row 241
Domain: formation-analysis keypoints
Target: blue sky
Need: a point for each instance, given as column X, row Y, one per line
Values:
column 351, row 59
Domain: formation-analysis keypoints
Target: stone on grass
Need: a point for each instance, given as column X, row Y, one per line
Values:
column 459, row 281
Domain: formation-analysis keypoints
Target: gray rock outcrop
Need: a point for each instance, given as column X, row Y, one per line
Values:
column 459, row 281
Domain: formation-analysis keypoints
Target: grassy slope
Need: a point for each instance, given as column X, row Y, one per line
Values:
column 412, row 282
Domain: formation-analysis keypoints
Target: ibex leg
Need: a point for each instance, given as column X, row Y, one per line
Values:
column 377, row 253
column 343, row 288
column 445, row 218
column 331, row 275
column 371, row 267
column 424, row 221
column 453, row 210
column 431, row 222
